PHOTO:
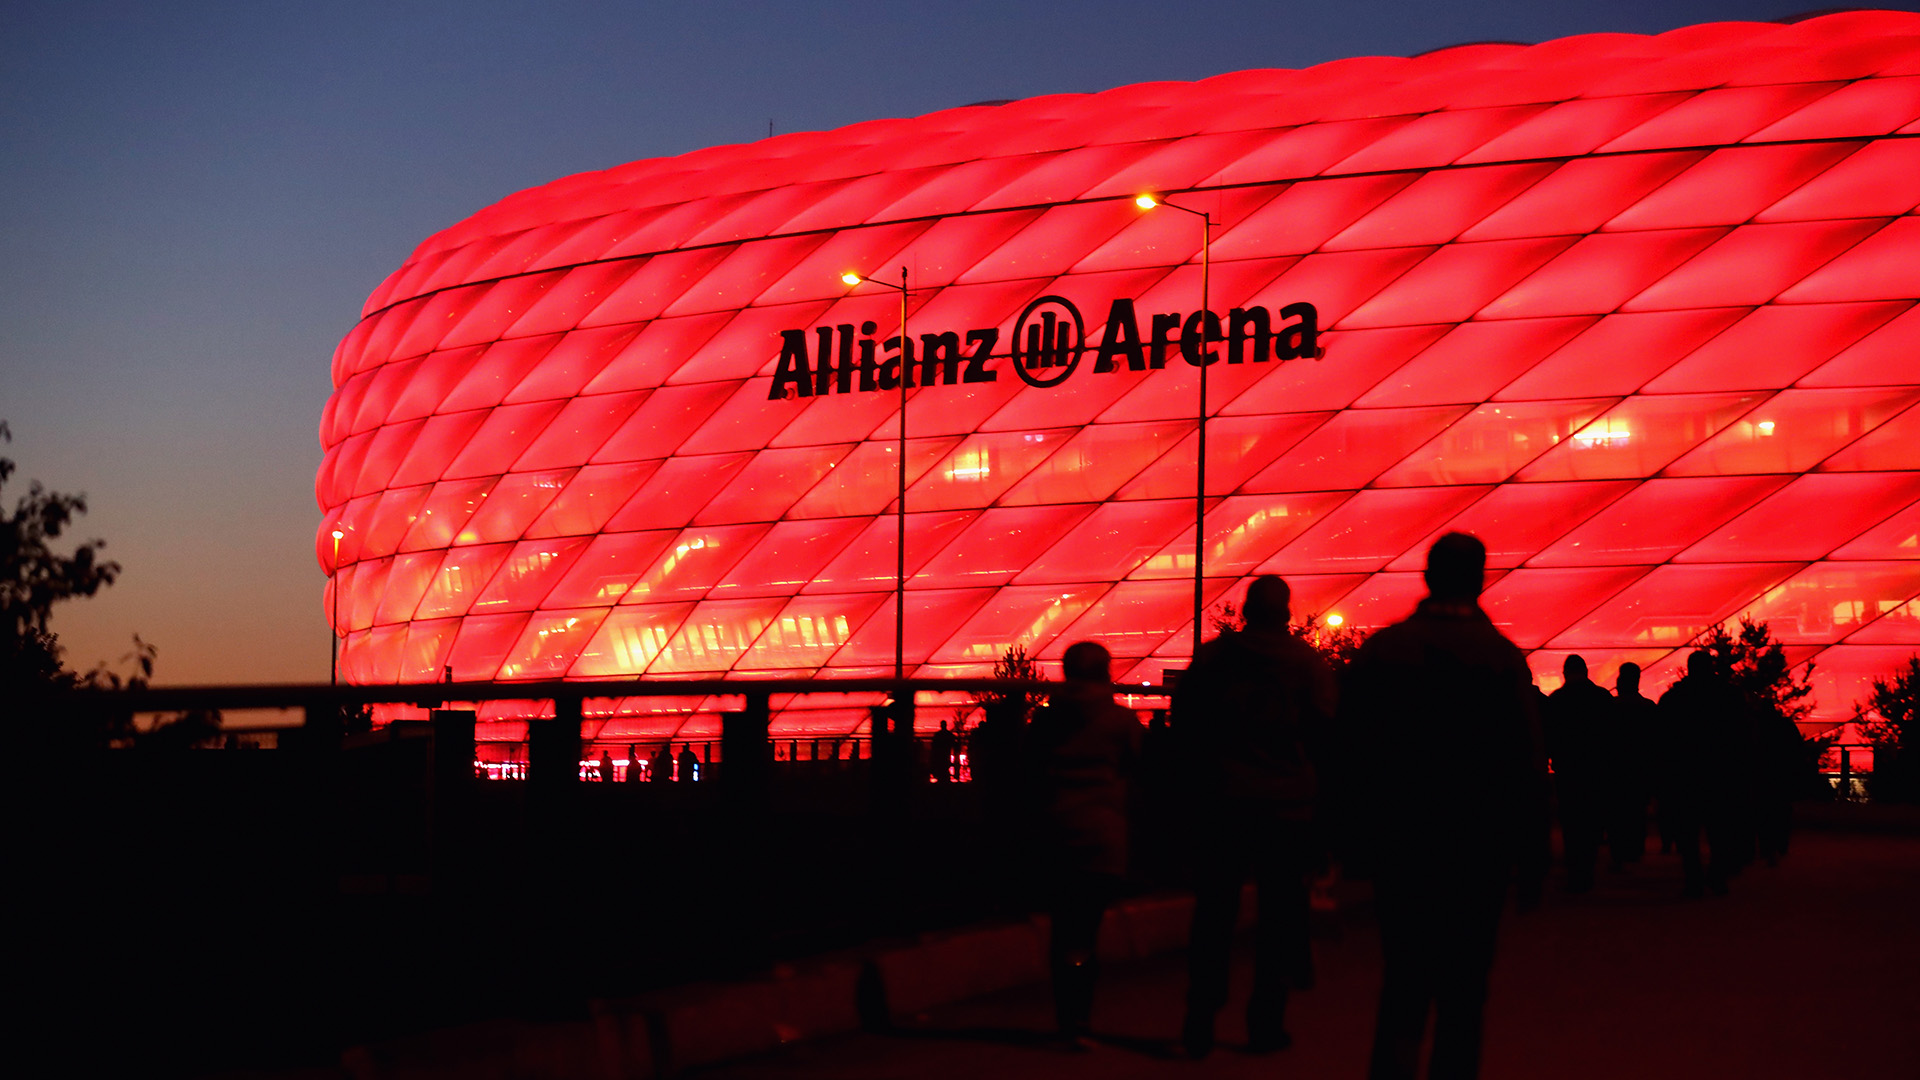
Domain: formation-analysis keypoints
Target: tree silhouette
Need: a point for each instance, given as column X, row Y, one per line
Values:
column 1893, row 729
column 34, row 576
column 1778, row 693
column 1013, row 665
column 1336, row 644
column 1757, row 665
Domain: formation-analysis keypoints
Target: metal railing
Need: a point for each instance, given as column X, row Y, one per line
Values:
column 556, row 709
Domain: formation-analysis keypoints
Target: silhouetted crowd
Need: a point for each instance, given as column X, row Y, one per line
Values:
column 1432, row 765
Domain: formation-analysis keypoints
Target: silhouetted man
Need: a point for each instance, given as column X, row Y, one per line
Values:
column 660, row 769
column 1578, row 723
column 689, row 765
column 1635, row 731
column 606, row 766
column 634, row 765
column 940, row 754
column 1081, row 750
column 1705, row 717
column 1441, row 708
column 1244, row 715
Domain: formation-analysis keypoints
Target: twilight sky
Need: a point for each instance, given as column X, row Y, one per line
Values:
column 195, row 198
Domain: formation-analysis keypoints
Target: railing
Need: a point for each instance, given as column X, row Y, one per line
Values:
column 557, row 709
column 322, row 695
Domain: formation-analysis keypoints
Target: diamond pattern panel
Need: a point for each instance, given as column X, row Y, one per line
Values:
column 1641, row 311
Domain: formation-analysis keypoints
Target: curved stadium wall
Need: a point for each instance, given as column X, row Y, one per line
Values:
column 1639, row 311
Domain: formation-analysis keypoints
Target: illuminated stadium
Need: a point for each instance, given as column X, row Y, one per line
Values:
column 1638, row 311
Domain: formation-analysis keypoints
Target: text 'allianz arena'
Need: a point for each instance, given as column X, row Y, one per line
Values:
column 1638, row 311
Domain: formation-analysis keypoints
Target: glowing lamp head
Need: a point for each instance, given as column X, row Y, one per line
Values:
column 1335, row 620
column 1146, row 202
column 850, row 278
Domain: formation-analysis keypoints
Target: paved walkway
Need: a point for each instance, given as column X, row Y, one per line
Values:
column 1808, row 970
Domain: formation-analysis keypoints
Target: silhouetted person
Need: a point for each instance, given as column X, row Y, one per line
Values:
column 1244, row 714
column 1635, row 746
column 660, row 769
column 1578, row 722
column 689, row 765
column 1081, row 749
column 634, row 768
column 1454, row 807
column 606, row 766
column 1704, row 715
column 940, row 754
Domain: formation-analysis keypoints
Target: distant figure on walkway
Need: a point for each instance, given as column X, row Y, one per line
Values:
column 1244, row 716
column 1081, row 750
column 1636, row 746
column 1578, row 724
column 940, row 754
column 660, row 769
column 689, row 765
column 635, row 767
column 606, row 765
column 1706, row 719
column 1441, row 710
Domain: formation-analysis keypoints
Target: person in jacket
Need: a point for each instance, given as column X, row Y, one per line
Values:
column 1247, row 717
column 1706, row 718
column 1578, row 724
column 1636, row 745
column 1081, row 750
column 1440, row 709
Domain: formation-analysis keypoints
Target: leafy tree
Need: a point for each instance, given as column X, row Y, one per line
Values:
column 1227, row 617
column 1013, row 665
column 34, row 576
column 1779, row 693
column 1757, row 665
column 1893, row 728
column 1336, row 644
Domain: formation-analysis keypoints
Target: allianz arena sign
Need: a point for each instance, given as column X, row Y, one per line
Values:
column 1639, row 311
column 1048, row 340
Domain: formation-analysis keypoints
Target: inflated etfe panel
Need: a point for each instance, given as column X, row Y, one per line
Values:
column 1638, row 311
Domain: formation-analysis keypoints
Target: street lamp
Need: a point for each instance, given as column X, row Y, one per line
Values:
column 333, row 642
column 1202, row 360
column 900, row 506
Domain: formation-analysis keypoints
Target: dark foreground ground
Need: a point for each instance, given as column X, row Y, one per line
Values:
column 1810, row 969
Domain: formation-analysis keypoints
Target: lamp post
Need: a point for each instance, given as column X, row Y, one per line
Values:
column 333, row 637
column 900, row 504
column 1202, row 360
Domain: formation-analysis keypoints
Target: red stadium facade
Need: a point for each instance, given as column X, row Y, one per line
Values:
column 1638, row 311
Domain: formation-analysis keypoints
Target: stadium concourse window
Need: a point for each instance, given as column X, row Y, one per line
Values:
column 1639, row 311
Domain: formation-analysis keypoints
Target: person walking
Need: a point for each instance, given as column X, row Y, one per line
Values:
column 1634, row 742
column 1707, row 719
column 1081, row 751
column 1244, row 716
column 1578, row 722
column 1440, row 706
